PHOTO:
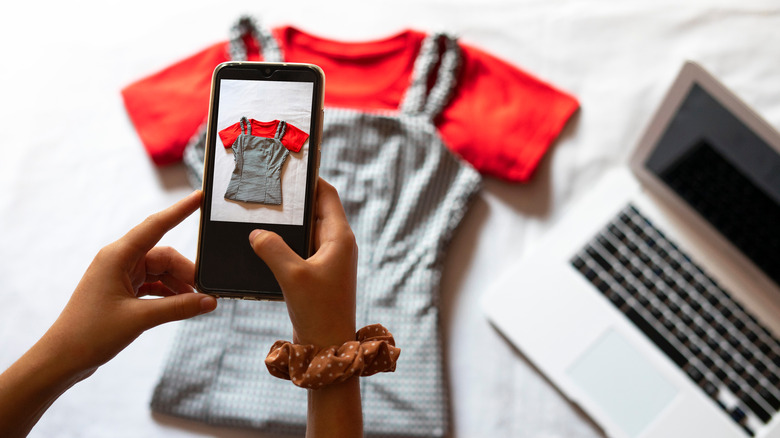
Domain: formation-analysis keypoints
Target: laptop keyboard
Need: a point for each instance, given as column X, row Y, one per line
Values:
column 714, row 340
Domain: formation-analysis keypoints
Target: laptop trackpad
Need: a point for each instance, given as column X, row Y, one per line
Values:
column 622, row 382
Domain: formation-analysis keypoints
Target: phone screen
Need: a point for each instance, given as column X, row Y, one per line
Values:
column 260, row 172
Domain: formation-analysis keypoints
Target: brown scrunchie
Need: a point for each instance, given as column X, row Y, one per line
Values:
column 373, row 352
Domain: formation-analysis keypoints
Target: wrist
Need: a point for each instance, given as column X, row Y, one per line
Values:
column 59, row 362
column 325, row 338
column 326, row 335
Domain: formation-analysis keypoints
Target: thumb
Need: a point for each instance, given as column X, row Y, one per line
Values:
column 274, row 251
column 174, row 308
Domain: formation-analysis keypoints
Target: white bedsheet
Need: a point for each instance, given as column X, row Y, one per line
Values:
column 74, row 176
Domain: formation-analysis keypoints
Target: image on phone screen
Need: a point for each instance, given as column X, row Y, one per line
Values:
column 260, row 170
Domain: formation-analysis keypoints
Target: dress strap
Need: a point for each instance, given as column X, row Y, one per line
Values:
column 246, row 126
column 246, row 27
column 440, row 50
column 281, row 128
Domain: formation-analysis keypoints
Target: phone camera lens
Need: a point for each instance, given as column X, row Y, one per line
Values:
column 267, row 71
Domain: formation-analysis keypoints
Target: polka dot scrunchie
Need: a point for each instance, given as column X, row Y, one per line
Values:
column 306, row 366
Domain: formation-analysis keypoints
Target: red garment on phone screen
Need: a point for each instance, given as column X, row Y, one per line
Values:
column 501, row 119
column 293, row 138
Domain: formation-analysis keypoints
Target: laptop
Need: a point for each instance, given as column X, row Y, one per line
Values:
column 654, row 304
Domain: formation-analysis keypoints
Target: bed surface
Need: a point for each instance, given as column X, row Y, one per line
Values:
column 75, row 176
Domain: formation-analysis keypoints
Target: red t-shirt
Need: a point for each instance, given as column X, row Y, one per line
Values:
column 500, row 118
column 293, row 138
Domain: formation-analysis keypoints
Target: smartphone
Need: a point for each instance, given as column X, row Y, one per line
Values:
column 260, row 171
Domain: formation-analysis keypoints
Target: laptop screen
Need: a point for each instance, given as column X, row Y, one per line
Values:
column 725, row 172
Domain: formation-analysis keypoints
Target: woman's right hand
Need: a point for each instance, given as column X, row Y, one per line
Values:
column 319, row 291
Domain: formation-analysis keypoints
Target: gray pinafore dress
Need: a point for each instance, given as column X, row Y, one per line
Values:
column 257, row 176
column 404, row 193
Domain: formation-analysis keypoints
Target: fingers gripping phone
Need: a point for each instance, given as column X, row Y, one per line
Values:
column 260, row 171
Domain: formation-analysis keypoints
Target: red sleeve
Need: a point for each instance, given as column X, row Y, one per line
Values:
column 294, row 138
column 167, row 107
column 501, row 119
column 230, row 134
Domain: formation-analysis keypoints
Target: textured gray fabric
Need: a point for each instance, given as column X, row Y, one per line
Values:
column 404, row 193
column 245, row 27
column 257, row 175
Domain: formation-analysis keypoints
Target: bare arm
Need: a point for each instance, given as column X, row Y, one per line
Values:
column 31, row 385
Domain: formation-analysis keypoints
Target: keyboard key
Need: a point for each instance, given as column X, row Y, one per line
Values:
column 694, row 373
column 710, row 389
column 771, row 399
column 738, row 368
column 607, row 266
column 657, row 338
column 603, row 286
column 738, row 415
column 726, row 356
column 608, row 246
column 752, row 382
column 754, row 406
column 733, row 341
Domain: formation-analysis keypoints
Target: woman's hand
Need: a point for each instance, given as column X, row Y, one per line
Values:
column 319, row 291
column 103, row 316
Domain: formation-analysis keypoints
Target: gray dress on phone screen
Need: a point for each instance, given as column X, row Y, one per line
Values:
column 257, row 176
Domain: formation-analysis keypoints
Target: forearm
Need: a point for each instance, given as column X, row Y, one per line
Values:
column 30, row 386
column 335, row 411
